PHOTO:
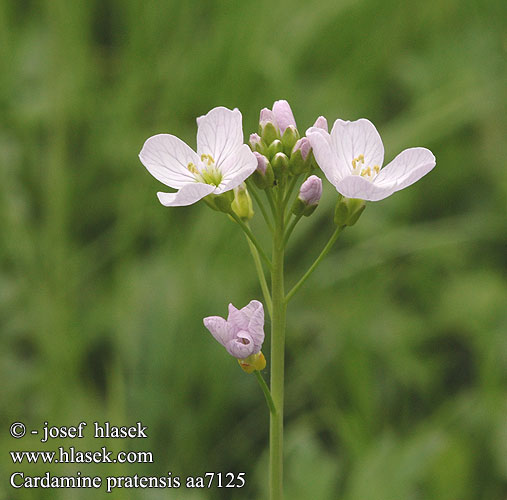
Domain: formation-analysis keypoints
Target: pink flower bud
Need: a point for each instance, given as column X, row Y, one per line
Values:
column 311, row 190
column 266, row 116
column 283, row 115
column 321, row 122
column 262, row 163
column 255, row 140
column 304, row 146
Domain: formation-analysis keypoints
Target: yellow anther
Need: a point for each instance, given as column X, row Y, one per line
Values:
column 354, row 166
column 192, row 168
column 208, row 158
column 376, row 168
column 366, row 172
column 361, row 158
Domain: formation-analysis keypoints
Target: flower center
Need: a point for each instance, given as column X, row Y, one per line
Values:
column 206, row 172
column 359, row 168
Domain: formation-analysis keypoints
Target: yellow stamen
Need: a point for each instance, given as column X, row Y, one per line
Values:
column 208, row 158
column 192, row 168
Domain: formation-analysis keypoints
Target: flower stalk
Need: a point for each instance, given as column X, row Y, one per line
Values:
column 277, row 357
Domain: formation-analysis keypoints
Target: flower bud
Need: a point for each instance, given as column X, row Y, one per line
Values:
column 321, row 122
column 257, row 144
column 348, row 211
column 280, row 164
column 311, row 190
column 300, row 159
column 266, row 115
column 267, row 126
column 275, row 147
column 242, row 203
column 309, row 196
column 263, row 176
column 289, row 139
column 253, row 362
column 283, row 115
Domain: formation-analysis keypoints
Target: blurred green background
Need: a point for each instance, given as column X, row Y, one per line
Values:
column 397, row 345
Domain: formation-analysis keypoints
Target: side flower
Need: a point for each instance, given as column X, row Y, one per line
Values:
column 221, row 163
column 242, row 334
column 351, row 158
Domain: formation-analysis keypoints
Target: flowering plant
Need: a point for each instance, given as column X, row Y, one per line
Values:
column 282, row 172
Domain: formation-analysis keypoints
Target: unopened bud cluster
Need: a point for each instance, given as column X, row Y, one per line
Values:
column 279, row 149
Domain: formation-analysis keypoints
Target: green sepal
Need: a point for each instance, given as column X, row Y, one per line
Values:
column 275, row 147
column 348, row 211
column 280, row 164
column 264, row 181
column 260, row 147
column 220, row 202
column 299, row 207
column 268, row 132
column 253, row 362
column 289, row 139
column 297, row 165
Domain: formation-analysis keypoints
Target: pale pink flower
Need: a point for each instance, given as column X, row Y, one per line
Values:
column 222, row 161
column 351, row 158
column 242, row 334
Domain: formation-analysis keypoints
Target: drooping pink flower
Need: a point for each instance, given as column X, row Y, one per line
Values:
column 351, row 158
column 242, row 334
column 221, row 163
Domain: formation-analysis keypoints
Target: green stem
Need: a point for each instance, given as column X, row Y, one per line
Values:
column 324, row 252
column 292, row 184
column 265, row 390
column 256, row 197
column 262, row 277
column 252, row 238
column 291, row 228
column 277, row 358
column 269, row 196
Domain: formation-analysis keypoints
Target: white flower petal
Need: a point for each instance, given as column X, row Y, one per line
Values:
column 321, row 122
column 408, row 167
column 236, row 168
column 351, row 139
column 219, row 328
column 323, row 153
column 219, row 134
column 188, row 194
column 166, row 157
column 355, row 186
